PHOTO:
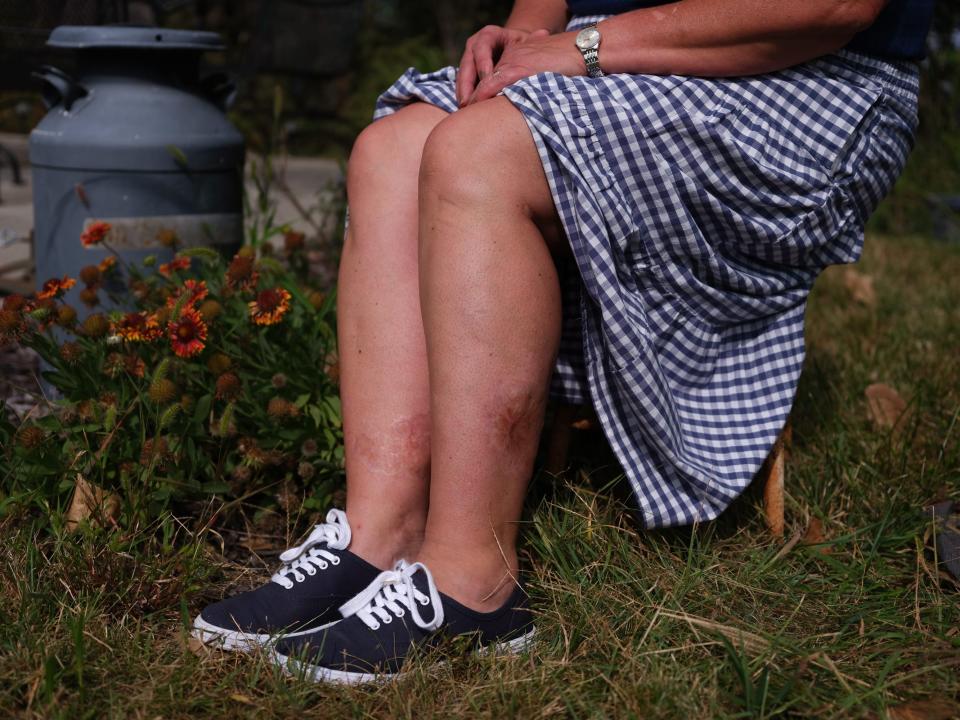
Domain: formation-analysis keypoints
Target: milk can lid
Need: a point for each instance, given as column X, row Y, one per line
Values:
column 140, row 38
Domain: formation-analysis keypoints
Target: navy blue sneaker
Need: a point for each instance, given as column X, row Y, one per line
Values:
column 400, row 613
column 303, row 596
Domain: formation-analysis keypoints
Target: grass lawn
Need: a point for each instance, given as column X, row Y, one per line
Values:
column 719, row 621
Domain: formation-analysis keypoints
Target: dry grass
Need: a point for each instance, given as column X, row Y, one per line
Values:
column 717, row 621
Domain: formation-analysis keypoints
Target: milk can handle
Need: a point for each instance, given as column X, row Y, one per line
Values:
column 58, row 87
column 221, row 89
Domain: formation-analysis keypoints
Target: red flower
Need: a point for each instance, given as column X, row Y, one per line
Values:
column 138, row 327
column 270, row 306
column 54, row 288
column 197, row 290
column 187, row 333
column 178, row 263
column 94, row 233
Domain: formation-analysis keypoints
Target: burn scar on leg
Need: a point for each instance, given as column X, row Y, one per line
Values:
column 403, row 449
column 517, row 417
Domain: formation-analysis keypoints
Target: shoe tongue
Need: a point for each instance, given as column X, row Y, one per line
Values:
column 421, row 581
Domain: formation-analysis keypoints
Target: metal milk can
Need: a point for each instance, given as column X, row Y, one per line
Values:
column 136, row 139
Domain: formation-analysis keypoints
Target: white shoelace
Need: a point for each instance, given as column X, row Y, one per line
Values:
column 393, row 594
column 305, row 559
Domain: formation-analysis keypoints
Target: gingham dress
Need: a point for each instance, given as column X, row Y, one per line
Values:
column 699, row 212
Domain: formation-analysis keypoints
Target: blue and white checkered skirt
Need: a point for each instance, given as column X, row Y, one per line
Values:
column 699, row 212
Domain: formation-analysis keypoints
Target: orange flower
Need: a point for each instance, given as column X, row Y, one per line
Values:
column 241, row 274
column 270, row 306
column 94, row 233
column 106, row 264
column 55, row 288
column 187, row 333
column 138, row 327
column 175, row 265
column 197, row 290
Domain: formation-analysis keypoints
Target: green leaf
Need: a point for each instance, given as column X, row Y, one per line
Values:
column 215, row 487
column 302, row 400
column 334, row 411
column 59, row 380
column 202, row 408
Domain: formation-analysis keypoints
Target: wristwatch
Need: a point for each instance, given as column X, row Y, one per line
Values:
column 588, row 43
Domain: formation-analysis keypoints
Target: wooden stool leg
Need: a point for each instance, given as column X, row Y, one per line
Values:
column 558, row 446
column 774, row 475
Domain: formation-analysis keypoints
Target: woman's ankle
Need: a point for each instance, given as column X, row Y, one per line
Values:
column 382, row 540
column 483, row 581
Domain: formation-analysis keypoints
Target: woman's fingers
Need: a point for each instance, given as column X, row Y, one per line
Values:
column 478, row 58
column 475, row 77
column 483, row 50
column 466, row 76
column 494, row 83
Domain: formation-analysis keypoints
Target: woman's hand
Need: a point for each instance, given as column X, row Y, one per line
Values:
column 536, row 53
column 484, row 49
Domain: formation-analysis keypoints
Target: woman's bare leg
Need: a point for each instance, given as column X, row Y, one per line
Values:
column 383, row 365
column 490, row 298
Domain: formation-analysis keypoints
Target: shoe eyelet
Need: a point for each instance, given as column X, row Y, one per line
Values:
column 401, row 612
column 324, row 566
column 335, row 560
column 310, row 570
column 424, row 602
column 376, row 626
column 388, row 620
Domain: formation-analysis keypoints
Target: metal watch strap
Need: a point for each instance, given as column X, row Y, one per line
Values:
column 592, row 58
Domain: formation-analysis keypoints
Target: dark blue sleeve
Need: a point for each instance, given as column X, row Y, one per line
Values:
column 899, row 33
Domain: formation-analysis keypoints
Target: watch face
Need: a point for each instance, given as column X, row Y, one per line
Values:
column 588, row 38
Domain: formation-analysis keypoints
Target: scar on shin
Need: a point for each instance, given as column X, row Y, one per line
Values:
column 517, row 416
column 404, row 446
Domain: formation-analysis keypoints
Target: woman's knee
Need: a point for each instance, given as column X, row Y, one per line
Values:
column 461, row 157
column 483, row 159
column 392, row 146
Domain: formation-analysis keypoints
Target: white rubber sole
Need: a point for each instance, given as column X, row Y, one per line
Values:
column 218, row 637
column 344, row 677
